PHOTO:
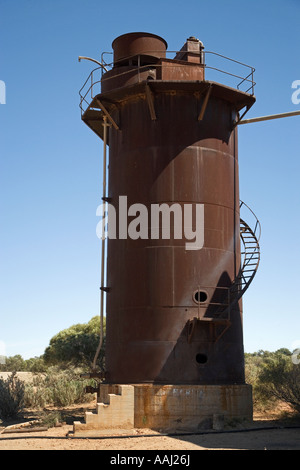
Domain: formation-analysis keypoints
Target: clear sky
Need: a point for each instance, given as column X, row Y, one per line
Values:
column 51, row 163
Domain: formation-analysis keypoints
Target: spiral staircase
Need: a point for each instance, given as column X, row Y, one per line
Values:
column 250, row 257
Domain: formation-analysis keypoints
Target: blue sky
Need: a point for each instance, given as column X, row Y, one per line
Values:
column 51, row 163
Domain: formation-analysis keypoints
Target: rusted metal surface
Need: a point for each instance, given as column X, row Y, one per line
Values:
column 191, row 51
column 171, row 69
column 184, row 161
column 115, row 98
column 174, row 145
column 163, row 69
column 130, row 45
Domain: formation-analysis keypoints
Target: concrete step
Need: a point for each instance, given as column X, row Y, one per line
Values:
column 115, row 411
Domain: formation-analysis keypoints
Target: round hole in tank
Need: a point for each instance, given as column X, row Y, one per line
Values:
column 200, row 296
column 201, row 358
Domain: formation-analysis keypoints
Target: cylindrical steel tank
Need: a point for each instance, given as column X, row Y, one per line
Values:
column 130, row 45
column 168, row 319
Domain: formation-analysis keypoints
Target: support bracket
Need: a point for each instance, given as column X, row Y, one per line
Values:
column 235, row 123
column 111, row 120
column 150, row 101
column 205, row 102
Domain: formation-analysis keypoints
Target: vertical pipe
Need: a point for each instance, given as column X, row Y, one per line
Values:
column 105, row 125
column 234, row 203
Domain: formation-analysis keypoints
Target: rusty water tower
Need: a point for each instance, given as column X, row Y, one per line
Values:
column 174, row 334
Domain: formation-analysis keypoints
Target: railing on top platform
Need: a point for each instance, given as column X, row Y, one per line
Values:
column 239, row 80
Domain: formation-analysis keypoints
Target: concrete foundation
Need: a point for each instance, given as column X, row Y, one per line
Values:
column 169, row 408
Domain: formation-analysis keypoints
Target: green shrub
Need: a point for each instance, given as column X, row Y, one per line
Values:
column 12, row 391
column 51, row 419
column 57, row 388
column 65, row 389
column 36, row 394
column 253, row 366
column 279, row 379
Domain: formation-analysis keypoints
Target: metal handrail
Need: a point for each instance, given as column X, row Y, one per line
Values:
column 257, row 222
column 245, row 79
column 251, row 73
column 83, row 94
column 202, row 53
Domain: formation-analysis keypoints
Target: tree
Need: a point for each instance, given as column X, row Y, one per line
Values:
column 35, row 364
column 76, row 345
column 13, row 363
column 280, row 378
